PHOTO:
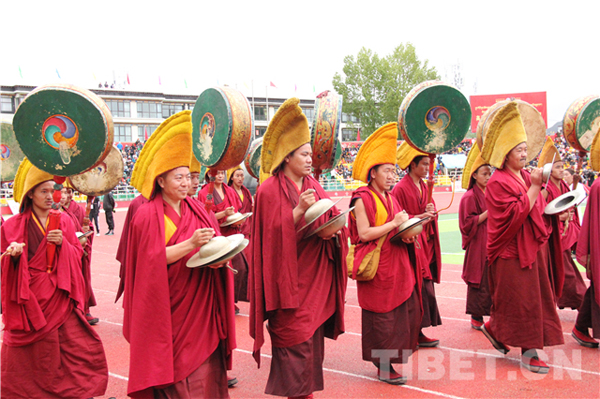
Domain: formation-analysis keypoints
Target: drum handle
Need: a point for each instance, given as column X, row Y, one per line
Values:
column 211, row 189
column 430, row 181
column 88, row 208
column 577, row 176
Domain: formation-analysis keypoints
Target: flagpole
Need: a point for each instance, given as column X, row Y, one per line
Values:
column 267, row 92
column 253, row 111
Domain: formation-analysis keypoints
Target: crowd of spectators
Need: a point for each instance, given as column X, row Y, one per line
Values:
column 130, row 155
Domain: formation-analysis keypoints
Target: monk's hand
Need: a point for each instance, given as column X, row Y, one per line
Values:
column 307, row 198
column 400, row 218
column 15, row 249
column 55, row 237
column 410, row 240
column 564, row 216
column 85, row 229
column 536, row 177
column 229, row 211
column 201, row 237
column 430, row 208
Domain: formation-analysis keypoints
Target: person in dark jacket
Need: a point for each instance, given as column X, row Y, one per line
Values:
column 94, row 212
column 108, row 203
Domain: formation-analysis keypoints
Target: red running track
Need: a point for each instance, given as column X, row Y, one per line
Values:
column 464, row 366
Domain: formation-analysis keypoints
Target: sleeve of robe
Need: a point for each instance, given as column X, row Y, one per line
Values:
column 473, row 240
column 588, row 244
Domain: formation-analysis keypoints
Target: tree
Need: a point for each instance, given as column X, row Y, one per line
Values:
column 373, row 88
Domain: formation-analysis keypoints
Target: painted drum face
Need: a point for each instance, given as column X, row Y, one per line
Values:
column 222, row 126
column 326, row 131
column 63, row 129
column 434, row 117
column 10, row 153
column 582, row 122
column 102, row 178
column 252, row 161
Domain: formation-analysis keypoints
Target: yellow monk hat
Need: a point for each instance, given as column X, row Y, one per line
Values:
column 287, row 132
column 195, row 166
column 474, row 162
column 231, row 171
column 27, row 177
column 378, row 149
column 549, row 152
column 68, row 184
column 505, row 133
column 405, row 155
column 169, row 147
column 595, row 153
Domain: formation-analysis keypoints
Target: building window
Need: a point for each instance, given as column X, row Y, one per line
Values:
column 310, row 114
column 349, row 134
column 171, row 109
column 119, row 108
column 145, row 129
column 349, row 118
column 123, row 134
column 260, row 131
column 190, row 107
column 6, row 105
column 147, row 109
column 260, row 113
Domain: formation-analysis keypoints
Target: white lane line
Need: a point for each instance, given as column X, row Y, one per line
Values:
column 101, row 290
column 120, row 377
column 450, row 297
column 364, row 377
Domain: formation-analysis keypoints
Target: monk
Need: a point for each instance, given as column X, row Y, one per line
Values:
column 568, row 229
column 519, row 256
column 390, row 301
column 472, row 220
column 296, row 283
column 178, row 320
column 411, row 193
column 43, row 312
column 588, row 253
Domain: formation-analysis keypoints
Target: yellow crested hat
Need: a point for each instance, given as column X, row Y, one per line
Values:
column 595, row 153
column 287, row 132
column 405, row 155
column 231, row 171
column 68, row 184
column 169, row 147
column 195, row 166
column 505, row 133
column 378, row 149
column 27, row 177
column 474, row 162
column 549, row 152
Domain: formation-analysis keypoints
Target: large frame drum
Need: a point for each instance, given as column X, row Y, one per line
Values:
column 535, row 127
column 102, row 178
column 63, row 129
column 326, row 131
column 434, row 117
column 10, row 152
column 252, row 161
column 222, row 126
column 582, row 122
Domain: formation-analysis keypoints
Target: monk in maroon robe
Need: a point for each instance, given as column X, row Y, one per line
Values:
column 411, row 192
column 43, row 312
column 525, row 268
column 391, row 301
column 472, row 220
column 568, row 230
column 226, row 202
column 186, row 353
column 588, row 253
column 296, row 283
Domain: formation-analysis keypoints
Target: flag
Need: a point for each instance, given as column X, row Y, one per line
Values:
column 273, row 85
column 159, row 82
column 185, row 82
column 145, row 132
column 58, row 73
column 20, row 73
column 358, row 134
column 128, row 80
column 314, row 91
column 295, row 87
column 94, row 75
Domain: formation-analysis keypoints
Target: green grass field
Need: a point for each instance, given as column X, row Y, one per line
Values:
column 451, row 240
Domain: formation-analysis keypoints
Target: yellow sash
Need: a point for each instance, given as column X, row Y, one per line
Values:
column 381, row 213
column 170, row 229
column 37, row 222
column 242, row 197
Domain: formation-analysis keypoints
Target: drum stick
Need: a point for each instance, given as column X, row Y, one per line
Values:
column 6, row 252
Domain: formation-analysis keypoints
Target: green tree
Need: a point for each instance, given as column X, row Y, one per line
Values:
column 373, row 88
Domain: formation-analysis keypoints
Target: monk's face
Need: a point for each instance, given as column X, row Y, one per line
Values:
column 220, row 177
column 517, row 157
column 422, row 168
column 175, row 184
column 558, row 171
column 383, row 176
column 238, row 178
column 482, row 176
column 568, row 177
column 41, row 196
column 300, row 161
column 194, row 183
column 66, row 195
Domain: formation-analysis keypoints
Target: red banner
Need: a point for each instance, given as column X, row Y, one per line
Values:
column 480, row 104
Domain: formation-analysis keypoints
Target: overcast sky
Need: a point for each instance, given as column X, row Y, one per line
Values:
column 501, row 47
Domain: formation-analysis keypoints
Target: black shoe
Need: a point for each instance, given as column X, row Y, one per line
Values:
column 110, row 233
column 91, row 319
column 231, row 382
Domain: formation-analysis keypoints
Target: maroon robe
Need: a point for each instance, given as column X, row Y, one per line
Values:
column 588, row 247
column 520, row 256
column 122, row 249
column 414, row 202
column 194, row 305
column 391, row 302
column 296, row 283
column 574, row 286
column 43, row 313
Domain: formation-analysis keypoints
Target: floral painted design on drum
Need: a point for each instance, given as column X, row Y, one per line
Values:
column 5, row 152
column 437, row 119
column 207, row 132
column 59, row 129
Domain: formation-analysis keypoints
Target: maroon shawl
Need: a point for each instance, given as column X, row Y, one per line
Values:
column 589, row 239
column 296, row 283
column 429, row 257
column 569, row 237
column 474, row 235
column 220, row 204
column 34, row 302
column 194, row 305
column 396, row 276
